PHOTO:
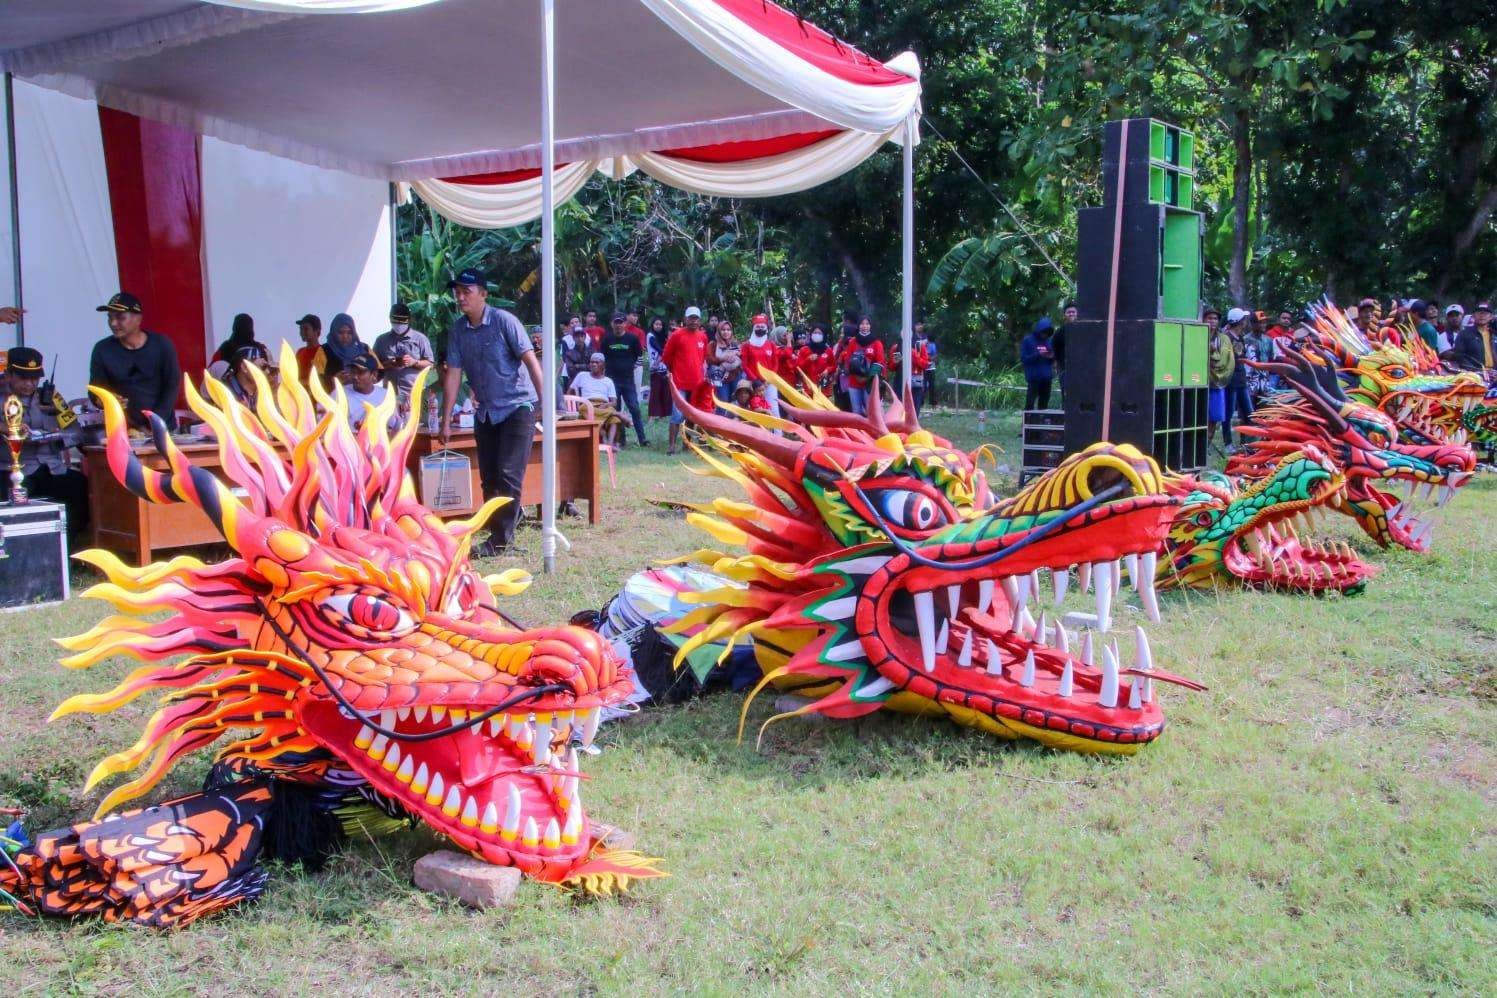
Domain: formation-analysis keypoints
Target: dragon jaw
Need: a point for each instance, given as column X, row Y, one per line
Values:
column 1252, row 536
column 880, row 572
column 348, row 608
column 967, row 639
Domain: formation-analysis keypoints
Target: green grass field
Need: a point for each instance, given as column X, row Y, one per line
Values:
column 1320, row 820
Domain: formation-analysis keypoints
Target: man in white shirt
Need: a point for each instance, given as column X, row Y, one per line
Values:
column 364, row 388
column 598, row 388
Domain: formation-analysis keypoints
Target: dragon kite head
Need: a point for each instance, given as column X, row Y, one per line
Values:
column 349, row 641
column 1364, row 444
column 1253, row 535
column 876, row 568
column 1400, row 375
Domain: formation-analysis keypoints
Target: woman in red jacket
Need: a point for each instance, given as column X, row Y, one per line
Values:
column 817, row 360
column 862, row 357
column 760, row 354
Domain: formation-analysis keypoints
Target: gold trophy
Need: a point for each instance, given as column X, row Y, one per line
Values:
column 15, row 436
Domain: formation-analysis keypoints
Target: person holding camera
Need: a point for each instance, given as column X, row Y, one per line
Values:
column 404, row 354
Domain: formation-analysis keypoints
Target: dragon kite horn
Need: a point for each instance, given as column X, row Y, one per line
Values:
column 907, row 419
column 1305, row 376
column 184, row 483
column 876, row 408
column 777, row 448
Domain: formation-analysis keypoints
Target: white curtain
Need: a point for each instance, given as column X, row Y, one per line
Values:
column 68, row 265
column 501, row 206
column 324, row 249
column 505, row 205
column 763, row 64
column 786, row 173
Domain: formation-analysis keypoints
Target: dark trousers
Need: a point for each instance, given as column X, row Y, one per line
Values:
column 629, row 398
column 503, row 453
column 1037, row 394
column 69, row 488
column 1240, row 406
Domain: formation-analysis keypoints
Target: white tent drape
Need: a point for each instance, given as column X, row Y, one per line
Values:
column 499, row 206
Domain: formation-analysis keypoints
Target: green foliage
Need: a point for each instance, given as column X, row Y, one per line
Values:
column 430, row 252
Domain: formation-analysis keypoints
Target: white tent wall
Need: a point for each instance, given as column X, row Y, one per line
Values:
column 282, row 239
column 9, row 335
column 68, row 264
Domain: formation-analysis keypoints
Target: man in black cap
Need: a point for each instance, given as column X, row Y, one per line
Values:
column 45, row 462
column 405, row 353
column 138, row 365
column 621, row 352
column 1475, row 347
column 490, row 347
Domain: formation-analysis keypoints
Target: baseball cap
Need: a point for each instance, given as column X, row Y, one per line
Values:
column 400, row 312
column 469, row 277
column 310, row 320
column 693, row 312
column 619, row 317
column 1211, row 311
column 1236, row 314
column 1482, row 306
column 596, row 358
column 364, row 362
column 24, row 360
column 124, row 301
column 1456, row 309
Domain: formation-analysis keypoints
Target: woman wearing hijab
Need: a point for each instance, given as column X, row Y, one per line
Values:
column 660, row 391
column 342, row 346
column 817, row 360
column 241, row 334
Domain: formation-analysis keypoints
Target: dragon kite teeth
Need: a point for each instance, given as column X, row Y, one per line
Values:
column 875, row 569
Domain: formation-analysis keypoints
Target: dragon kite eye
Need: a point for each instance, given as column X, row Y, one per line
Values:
column 910, row 510
column 368, row 612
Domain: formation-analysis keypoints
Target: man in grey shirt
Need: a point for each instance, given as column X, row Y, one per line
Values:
column 490, row 346
column 404, row 353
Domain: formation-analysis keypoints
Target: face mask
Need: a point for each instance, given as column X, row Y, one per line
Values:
column 758, row 338
column 865, row 337
column 400, row 327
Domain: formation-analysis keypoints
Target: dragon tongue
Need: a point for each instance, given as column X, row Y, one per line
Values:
column 479, row 757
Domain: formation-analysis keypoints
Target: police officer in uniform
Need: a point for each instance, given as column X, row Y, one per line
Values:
column 45, row 462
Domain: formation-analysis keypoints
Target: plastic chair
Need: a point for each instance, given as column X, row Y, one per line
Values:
column 572, row 405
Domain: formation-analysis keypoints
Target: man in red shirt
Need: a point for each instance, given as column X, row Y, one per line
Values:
column 594, row 331
column 685, row 357
column 1282, row 332
column 760, row 354
column 631, row 325
column 310, row 328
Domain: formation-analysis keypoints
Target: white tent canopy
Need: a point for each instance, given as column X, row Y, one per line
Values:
column 463, row 97
column 448, row 88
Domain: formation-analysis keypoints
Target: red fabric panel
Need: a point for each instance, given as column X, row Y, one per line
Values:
column 737, row 152
column 812, row 44
column 156, row 197
column 496, row 179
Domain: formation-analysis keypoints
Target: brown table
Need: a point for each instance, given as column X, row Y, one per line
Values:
column 132, row 527
column 576, row 464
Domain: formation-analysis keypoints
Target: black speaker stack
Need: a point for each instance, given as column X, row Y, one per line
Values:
column 1151, row 391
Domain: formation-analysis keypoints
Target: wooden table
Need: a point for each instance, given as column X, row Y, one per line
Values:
column 134, row 528
column 130, row 526
column 576, row 465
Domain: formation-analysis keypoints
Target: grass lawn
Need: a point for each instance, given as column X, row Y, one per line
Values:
column 1320, row 819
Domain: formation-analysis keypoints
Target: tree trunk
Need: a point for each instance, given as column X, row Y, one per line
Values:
column 1242, row 196
column 1465, row 238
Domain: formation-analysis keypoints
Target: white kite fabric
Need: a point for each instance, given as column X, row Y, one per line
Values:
column 500, row 206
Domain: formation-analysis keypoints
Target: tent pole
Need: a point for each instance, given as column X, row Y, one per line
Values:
column 907, row 333
column 548, row 286
column 15, row 205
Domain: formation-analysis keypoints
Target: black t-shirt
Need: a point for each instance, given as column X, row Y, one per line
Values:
column 147, row 378
column 620, row 353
